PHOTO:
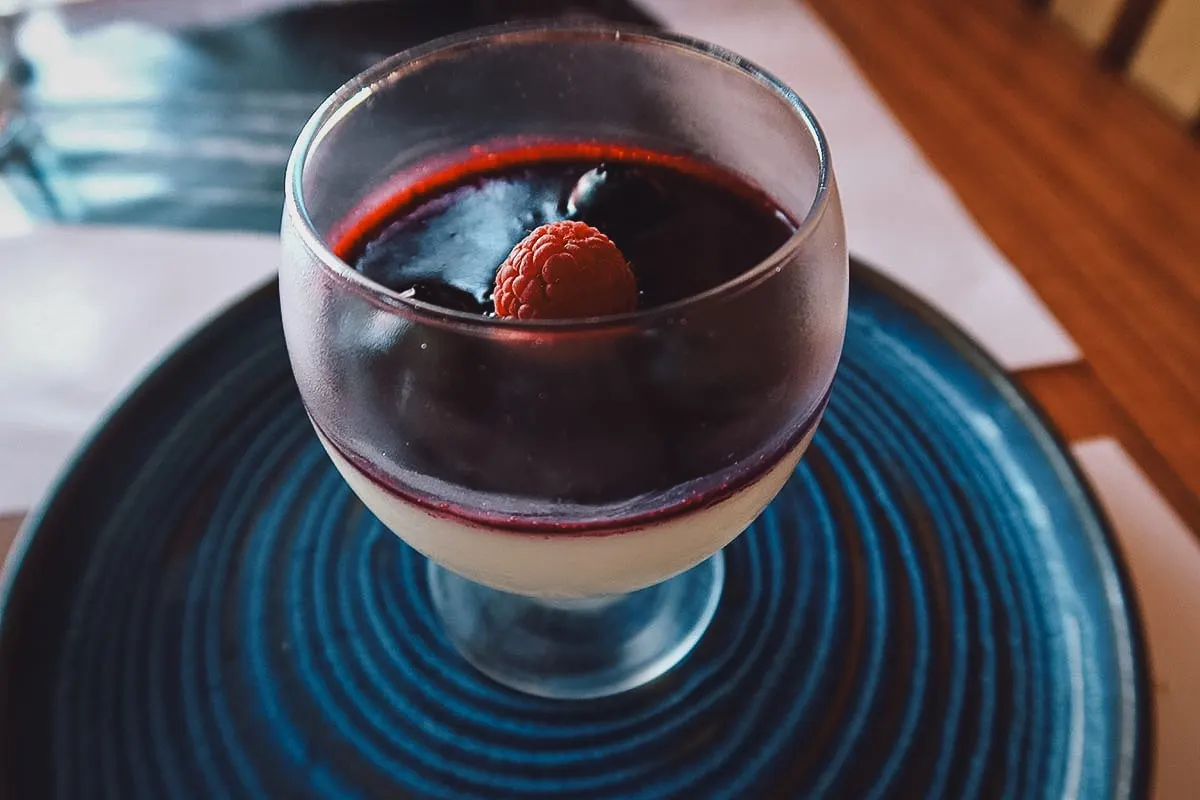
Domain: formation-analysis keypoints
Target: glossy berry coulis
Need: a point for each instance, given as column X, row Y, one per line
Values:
column 558, row 432
column 684, row 227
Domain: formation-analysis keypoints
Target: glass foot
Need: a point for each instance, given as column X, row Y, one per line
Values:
column 577, row 648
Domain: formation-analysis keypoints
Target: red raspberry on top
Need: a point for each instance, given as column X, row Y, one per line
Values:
column 564, row 270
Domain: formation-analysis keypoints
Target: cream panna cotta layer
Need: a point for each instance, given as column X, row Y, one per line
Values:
column 571, row 565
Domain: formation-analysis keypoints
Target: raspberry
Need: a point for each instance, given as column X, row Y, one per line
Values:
column 564, row 270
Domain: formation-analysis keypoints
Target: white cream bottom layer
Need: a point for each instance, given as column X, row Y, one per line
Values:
column 571, row 565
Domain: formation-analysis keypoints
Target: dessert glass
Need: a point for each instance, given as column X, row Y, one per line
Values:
column 571, row 482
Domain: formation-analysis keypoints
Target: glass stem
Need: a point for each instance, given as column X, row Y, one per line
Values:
column 577, row 648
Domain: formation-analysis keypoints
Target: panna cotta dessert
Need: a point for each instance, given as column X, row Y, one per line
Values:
column 558, row 449
column 564, row 305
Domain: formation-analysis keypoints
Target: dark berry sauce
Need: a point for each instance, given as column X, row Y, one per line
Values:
column 684, row 227
column 547, row 431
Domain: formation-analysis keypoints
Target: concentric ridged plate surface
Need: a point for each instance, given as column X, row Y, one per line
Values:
column 931, row 608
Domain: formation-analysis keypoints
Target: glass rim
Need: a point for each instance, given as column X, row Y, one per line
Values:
column 361, row 87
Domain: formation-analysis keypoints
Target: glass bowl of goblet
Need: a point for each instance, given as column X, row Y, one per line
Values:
column 571, row 482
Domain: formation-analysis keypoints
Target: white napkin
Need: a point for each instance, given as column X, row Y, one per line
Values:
column 1164, row 559
column 83, row 312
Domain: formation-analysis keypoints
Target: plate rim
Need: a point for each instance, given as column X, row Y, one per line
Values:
column 1080, row 490
column 122, row 412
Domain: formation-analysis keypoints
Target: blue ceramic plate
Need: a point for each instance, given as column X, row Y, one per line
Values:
column 931, row 608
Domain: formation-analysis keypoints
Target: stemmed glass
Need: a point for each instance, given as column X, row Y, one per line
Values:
column 572, row 483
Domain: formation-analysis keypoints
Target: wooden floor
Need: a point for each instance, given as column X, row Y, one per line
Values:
column 1093, row 193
